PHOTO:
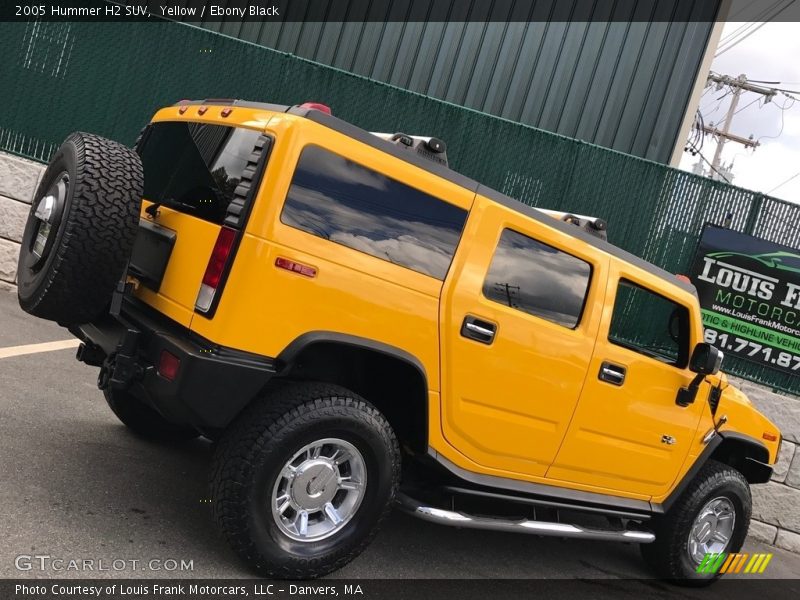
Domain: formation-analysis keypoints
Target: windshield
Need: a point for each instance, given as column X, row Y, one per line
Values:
column 195, row 167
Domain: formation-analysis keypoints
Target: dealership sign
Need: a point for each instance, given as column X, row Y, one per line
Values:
column 750, row 297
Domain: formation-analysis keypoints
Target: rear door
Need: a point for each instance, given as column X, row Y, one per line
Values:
column 199, row 177
column 628, row 433
column 520, row 314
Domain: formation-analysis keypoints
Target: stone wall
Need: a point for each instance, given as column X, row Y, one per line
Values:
column 18, row 181
column 776, row 505
column 776, row 511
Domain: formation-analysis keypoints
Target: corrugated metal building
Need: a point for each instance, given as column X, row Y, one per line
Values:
column 619, row 73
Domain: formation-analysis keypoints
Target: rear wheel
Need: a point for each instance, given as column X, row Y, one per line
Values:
column 302, row 480
column 711, row 517
column 80, row 229
column 143, row 420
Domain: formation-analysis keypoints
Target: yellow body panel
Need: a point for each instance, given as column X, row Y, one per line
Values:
column 195, row 237
column 503, row 413
column 615, row 440
column 193, row 243
column 264, row 308
column 527, row 407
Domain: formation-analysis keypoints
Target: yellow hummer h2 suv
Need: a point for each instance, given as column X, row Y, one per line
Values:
column 356, row 326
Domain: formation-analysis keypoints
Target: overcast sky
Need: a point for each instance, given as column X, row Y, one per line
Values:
column 770, row 54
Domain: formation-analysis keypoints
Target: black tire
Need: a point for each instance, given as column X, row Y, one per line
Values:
column 143, row 420
column 96, row 185
column 251, row 454
column 669, row 555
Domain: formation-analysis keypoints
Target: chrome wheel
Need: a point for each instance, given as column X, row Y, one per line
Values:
column 48, row 214
column 712, row 529
column 319, row 490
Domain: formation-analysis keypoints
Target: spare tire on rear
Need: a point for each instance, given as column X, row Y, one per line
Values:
column 80, row 229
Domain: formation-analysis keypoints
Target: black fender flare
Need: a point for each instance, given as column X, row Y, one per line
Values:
column 289, row 354
column 755, row 467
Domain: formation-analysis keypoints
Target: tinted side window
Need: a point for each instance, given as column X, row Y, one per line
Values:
column 538, row 279
column 339, row 200
column 650, row 324
column 194, row 167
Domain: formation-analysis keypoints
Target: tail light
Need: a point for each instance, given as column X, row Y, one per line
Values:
column 215, row 269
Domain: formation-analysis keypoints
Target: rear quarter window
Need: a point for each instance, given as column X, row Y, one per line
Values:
column 347, row 203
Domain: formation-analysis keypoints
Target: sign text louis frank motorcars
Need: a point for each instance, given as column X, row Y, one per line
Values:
column 749, row 290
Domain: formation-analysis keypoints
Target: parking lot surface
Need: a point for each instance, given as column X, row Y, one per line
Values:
column 76, row 485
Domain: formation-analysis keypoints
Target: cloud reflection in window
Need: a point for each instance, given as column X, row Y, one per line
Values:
column 340, row 200
column 537, row 279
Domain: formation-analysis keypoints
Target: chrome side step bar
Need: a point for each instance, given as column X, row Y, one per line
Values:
column 459, row 519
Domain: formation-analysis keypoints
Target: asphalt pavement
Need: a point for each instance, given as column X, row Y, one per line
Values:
column 75, row 485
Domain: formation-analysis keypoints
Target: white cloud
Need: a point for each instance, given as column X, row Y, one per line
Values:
column 769, row 54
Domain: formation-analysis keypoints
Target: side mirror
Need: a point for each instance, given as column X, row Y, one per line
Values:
column 706, row 359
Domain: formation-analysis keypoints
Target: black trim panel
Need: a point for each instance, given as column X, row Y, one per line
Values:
column 287, row 357
column 756, row 466
column 374, row 141
column 152, row 249
column 213, row 383
column 574, row 497
column 532, row 501
column 757, row 447
column 232, row 102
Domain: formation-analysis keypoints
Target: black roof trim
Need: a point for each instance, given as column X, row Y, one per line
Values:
column 577, row 232
column 233, row 102
column 366, row 137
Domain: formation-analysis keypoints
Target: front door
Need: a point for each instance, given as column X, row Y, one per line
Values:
column 628, row 433
column 520, row 314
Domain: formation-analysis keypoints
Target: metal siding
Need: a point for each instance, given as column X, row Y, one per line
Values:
column 571, row 70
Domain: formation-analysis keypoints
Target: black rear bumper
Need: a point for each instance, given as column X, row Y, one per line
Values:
column 212, row 384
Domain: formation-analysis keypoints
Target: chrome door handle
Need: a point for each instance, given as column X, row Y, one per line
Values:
column 611, row 373
column 478, row 329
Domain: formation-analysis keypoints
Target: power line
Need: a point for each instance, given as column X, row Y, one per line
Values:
column 780, row 185
column 747, row 105
column 734, row 17
column 740, row 40
column 731, row 44
column 783, row 110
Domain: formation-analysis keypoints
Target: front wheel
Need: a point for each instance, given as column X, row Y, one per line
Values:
column 303, row 478
column 711, row 517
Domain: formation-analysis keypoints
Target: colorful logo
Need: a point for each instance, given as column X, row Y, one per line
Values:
column 784, row 261
column 728, row 562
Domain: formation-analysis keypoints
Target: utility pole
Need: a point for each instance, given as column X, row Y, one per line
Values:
column 738, row 85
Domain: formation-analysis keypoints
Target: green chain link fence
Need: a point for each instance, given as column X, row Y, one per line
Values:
column 109, row 78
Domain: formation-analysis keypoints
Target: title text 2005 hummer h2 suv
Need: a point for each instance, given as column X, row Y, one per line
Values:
column 357, row 325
